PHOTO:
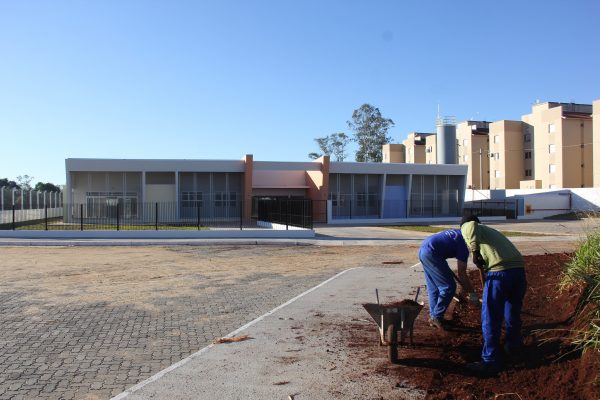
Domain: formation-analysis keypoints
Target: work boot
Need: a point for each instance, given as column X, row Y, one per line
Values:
column 483, row 368
column 513, row 354
column 439, row 323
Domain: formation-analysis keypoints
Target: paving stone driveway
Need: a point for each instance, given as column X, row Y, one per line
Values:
column 97, row 350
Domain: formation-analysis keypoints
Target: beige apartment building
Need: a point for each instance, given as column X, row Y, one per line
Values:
column 415, row 147
column 596, row 142
column 556, row 146
column 431, row 149
column 394, row 153
column 473, row 150
column 561, row 143
column 510, row 155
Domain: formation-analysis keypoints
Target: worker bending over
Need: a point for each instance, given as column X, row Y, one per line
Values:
column 434, row 252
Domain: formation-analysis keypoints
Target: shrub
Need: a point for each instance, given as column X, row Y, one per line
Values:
column 584, row 271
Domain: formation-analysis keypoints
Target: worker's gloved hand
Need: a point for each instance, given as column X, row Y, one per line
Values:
column 478, row 259
column 473, row 299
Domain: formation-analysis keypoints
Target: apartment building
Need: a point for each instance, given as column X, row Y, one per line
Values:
column 431, row 149
column 473, row 151
column 561, row 141
column 510, row 160
column 415, row 147
column 596, row 142
column 394, row 153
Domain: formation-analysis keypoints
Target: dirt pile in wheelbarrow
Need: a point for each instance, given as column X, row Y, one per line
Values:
column 401, row 303
column 548, row 368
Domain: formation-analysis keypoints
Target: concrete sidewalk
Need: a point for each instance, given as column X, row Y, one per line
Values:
column 298, row 349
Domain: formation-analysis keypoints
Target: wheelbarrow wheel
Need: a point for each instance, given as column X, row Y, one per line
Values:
column 392, row 335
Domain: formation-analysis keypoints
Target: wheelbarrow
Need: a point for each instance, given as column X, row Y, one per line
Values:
column 392, row 318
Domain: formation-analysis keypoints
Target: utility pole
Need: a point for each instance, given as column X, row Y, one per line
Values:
column 480, row 169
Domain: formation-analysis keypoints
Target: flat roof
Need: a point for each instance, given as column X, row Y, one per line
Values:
column 183, row 165
column 397, row 168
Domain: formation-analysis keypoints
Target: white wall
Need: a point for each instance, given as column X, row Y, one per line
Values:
column 547, row 202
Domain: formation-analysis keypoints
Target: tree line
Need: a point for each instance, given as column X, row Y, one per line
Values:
column 23, row 182
column 370, row 134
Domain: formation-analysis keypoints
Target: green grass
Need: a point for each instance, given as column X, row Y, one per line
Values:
column 574, row 216
column 417, row 228
column 584, row 271
column 435, row 229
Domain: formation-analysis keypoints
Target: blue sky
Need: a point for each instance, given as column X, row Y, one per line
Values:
column 191, row 79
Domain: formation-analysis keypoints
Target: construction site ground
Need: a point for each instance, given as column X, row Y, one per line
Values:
column 91, row 322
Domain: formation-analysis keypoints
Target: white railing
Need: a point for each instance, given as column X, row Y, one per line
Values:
column 17, row 205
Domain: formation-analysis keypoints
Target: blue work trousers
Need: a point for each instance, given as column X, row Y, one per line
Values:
column 503, row 294
column 440, row 282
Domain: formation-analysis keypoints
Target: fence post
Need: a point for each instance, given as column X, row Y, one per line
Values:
column 287, row 217
column 156, row 216
column 46, row 217
column 241, row 215
column 198, row 214
column 81, row 217
column 117, row 215
column 350, row 201
column 432, row 208
column 13, row 217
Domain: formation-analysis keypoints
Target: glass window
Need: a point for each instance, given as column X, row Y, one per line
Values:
column 527, row 172
column 497, row 174
column 527, row 137
column 219, row 199
column 552, row 168
column 191, row 199
column 466, row 158
column 496, row 138
column 552, row 148
column 527, row 155
column 551, row 128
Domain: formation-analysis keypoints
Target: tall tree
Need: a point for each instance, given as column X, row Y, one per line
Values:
column 332, row 145
column 46, row 187
column 25, row 181
column 339, row 141
column 370, row 132
column 4, row 182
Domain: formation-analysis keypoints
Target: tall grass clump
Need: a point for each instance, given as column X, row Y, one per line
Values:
column 583, row 271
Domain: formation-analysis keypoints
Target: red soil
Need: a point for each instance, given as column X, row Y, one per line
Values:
column 401, row 303
column 548, row 368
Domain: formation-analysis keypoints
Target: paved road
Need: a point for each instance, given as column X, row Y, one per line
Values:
column 302, row 349
column 97, row 350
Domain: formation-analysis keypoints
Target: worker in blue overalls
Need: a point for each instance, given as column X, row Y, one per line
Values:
column 434, row 252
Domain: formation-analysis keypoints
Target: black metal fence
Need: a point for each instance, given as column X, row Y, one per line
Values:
column 284, row 212
column 492, row 208
column 127, row 216
column 346, row 208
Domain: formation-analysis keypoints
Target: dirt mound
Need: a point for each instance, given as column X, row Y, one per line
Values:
column 549, row 367
column 401, row 303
